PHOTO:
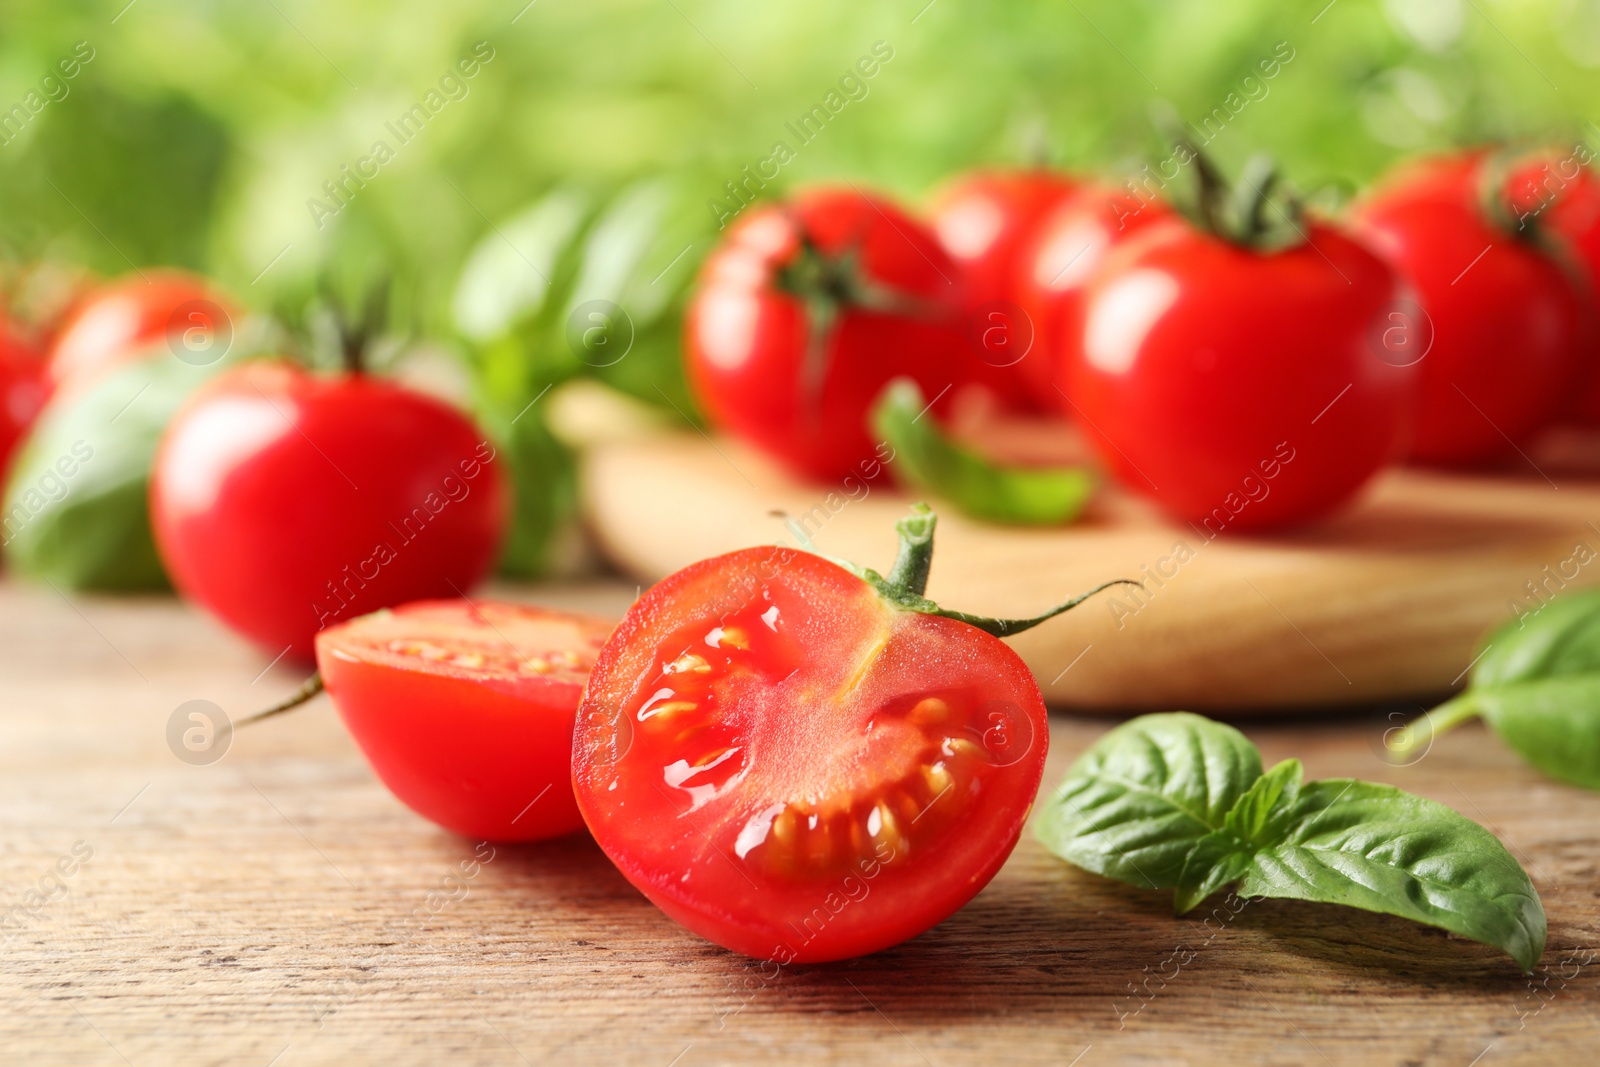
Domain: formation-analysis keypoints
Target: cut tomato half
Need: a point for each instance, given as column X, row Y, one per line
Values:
column 465, row 709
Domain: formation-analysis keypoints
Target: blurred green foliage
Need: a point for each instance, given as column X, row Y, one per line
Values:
column 199, row 132
column 581, row 151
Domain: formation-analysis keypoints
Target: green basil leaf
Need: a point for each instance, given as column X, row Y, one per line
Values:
column 1377, row 848
column 1260, row 816
column 1561, row 638
column 1134, row 805
column 76, row 506
column 1537, row 684
column 927, row 459
column 1554, row 724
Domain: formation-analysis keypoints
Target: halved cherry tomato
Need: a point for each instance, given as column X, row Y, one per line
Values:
column 118, row 320
column 1509, row 324
column 806, row 311
column 1054, row 271
column 284, row 501
column 794, row 763
column 465, row 709
column 987, row 220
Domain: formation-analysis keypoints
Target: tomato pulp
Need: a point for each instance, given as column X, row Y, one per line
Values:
column 284, row 502
column 465, row 709
column 799, row 768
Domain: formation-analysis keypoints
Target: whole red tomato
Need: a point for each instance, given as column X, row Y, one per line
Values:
column 986, row 221
column 794, row 763
column 1508, row 323
column 805, row 311
column 1241, row 387
column 284, row 501
column 1557, row 196
column 23, row 391
column 1054, row 270
column 116, row 321
column 465, row 709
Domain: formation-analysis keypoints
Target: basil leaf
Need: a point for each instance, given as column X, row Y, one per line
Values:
column 1134, row 805
column 1179, row 800
column 76, row 507
column 1537, row 684
column 1553, row 724
column 1377, row 848
column 927, row 459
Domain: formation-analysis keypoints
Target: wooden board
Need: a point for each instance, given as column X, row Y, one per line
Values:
column 262, row 910
column 1385, row 602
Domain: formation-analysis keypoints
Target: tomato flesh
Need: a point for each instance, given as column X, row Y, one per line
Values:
column 465, row 709
column 797, row 770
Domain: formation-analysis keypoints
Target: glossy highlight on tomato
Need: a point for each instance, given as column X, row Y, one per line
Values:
column 1241, row 388
column 118, row 321
column 796, row 768
column 465, row 708
column 285, row 501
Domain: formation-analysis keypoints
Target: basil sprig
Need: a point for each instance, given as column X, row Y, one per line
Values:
column 1537, row 684
column 927, row 459
column 1176, row 801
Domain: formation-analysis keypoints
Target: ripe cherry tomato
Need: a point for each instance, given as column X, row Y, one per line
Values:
column 465, row 709
column 795, row 763
column 1241, row 388
column 1508, row 323
column 118, row 320
column 23, row 391
column 806, row 311
column 1054, row 271
column 1557, row 195
column 284, row 501
column 986, row 221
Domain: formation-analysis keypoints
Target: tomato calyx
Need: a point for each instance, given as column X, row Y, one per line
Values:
column 829, row 285
column 1238, row 213
column 908, row 579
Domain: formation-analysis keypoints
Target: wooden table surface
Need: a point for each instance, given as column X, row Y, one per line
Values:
column 279, row 907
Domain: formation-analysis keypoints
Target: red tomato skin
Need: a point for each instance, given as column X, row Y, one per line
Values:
column 275, row 493
column 986, row 221
column 1560, row 198
column 1213, row 378
column 23, row 391
column 746, row 341
column 116, row 321
column 884, row 899
column 1488, row 295
column 484, row 758
column 1054, row 271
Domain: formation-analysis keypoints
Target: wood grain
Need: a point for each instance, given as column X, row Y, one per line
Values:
column 275, row 907
column 1387, row 601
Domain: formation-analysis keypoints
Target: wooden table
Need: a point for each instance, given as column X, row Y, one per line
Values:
column 264, row 910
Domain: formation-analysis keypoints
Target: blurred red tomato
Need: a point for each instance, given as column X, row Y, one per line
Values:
column 1508, row 323
column 1241, row 388
column 805, row 311
column 23, row 391
column 1054, row 271
column 116, row 321
column 284, row 502
column 986, row 220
